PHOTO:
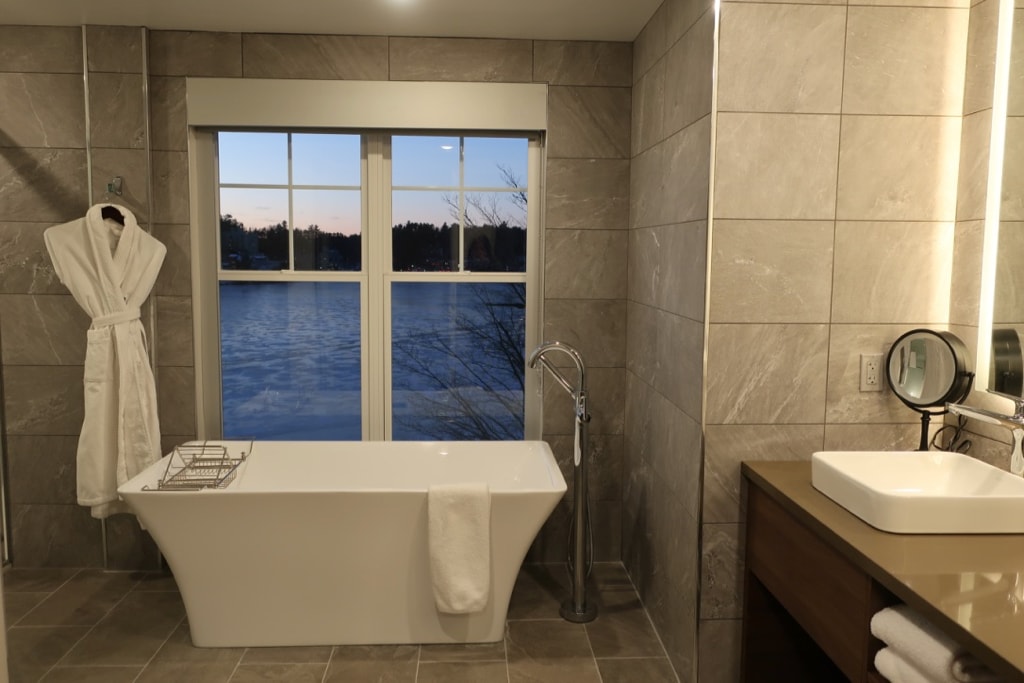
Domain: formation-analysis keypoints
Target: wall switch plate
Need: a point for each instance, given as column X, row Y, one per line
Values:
column 870, row 372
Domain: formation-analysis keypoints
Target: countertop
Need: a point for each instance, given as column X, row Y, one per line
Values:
column 969, row 586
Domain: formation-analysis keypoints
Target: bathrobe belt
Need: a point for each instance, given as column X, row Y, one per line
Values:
column 125, row 316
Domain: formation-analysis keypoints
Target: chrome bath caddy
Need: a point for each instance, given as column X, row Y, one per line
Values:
column 197, row 466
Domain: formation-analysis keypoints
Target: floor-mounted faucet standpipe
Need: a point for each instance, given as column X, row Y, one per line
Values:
column 577, row 608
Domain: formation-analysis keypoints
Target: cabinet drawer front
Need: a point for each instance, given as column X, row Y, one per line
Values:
column 825, row 593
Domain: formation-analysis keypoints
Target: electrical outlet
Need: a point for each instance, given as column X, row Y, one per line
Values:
column 870, row 372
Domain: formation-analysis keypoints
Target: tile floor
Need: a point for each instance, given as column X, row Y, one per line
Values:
column 91, row 626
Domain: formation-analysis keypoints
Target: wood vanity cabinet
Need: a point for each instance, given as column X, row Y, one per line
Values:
column 807, row 609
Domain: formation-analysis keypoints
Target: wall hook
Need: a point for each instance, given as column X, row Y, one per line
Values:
column 115, row 185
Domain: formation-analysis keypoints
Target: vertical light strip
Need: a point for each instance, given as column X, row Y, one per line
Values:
column 993, row 193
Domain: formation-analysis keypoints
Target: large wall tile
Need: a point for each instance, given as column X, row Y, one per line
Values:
column 115, row 49
column 25, row 267
column 273, row 55
column 874, row 437
column 728, row 445
column 42, row 184
column 845, row 402
column 195, row 53
column 582, row 194
column 460, row 59
column 168, row 123
column 651, row 43
column 776, row 166
column 582, row 63
column 606, row 404
column 43, row 400
column 981, row 55
column 54, row 536
column 175, row 277
column 116, row 110
column 1015, row 99
column 965, row 281
column 766, row 374
column 1008, row 304
column 42, row 110
column 133, row 167
column 42, row 469
column 604, row 465
column 900, row 60
column 588, row 122
column 587, row 264
column 595, row 327
column 898, row 168
column 647, row 126
column 666, row 351
column 781, row 58
column 720, row 642
column 1012, row 204
column 170, row 187
column 42, row 330
column 690, row 63
column 772, row 271
column 721, row 575
column 173, row 340
column 176, row 398
column 682, row 15
column 667, row 267
column 669, row 182
column 972, row 184
column 41, row 49
column 892, row 272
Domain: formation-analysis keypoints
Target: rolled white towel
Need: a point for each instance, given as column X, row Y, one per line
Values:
column 927, row 649
column 895, row 668
column 459, row 540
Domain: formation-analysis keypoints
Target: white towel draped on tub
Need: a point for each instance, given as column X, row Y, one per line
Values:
column 459, row 539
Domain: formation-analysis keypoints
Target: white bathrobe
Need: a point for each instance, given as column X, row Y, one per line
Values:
column 110, row 271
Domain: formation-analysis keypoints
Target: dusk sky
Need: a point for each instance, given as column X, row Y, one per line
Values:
column 333, row 160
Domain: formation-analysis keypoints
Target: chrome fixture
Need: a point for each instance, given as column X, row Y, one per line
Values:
column 1015, row 423
column 577, row 609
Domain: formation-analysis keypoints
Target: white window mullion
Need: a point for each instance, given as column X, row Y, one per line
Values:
column 532, row 429
column 377, row 383
column 291, row 211
column 462, row 203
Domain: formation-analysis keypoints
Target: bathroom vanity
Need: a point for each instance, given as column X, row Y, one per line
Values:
column 815, row 574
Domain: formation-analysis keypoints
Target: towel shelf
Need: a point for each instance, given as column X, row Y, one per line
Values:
column 197, row 466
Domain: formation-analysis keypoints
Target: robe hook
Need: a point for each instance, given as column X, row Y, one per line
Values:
column 115, row 186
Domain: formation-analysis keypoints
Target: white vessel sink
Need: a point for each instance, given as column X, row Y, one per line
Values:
column 922, row 492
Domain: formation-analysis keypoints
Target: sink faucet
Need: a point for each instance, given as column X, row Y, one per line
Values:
column 1015, row 423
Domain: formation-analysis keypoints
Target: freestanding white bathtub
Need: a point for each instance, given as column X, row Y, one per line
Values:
column 325, row 543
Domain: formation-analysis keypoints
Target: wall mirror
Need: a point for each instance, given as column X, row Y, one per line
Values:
column 927, row 369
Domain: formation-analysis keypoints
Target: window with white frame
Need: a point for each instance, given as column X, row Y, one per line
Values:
column 372, row 285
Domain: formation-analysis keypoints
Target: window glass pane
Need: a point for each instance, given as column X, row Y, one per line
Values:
column 327, row 229
column 429, row 161
column 457, row 361
column 256, row 158
column 253, row 229
column 425, row 233
column 324, row 159
column 496, row 162
column 290, row 360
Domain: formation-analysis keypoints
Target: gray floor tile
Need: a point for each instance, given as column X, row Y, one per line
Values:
column 32, row 650
column 17, row 605
column 179, row 648
column 282, row 673
column 462, row 672
column 654, row 670
column 459, row 652
column 180, row 672
column 82, row 600
column 132, row 633
column 287, row 655
column 37, row 580
column 386, row 663
column 92, row 674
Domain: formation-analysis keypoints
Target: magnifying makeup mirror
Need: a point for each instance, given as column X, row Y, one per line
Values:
column 927, row 369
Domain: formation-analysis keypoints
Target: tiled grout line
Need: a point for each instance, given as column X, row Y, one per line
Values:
column 323, row 679
column 419, row 659
column 49, row 594
column 157, row 651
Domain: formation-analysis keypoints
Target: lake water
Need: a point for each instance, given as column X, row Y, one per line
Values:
column 291, row 360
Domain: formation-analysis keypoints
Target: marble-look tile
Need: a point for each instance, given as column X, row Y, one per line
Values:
column 899, row 168
column 463, row 652
column 115, row 49
column 287, row 655
column 689, row 76
column 93, row 674
column 32, row 651
column 595, row 327
column 872, row 281
column 175, row 277
column 588, row 122
column 42, row 110
column 292, row 673
column 1015, row 98
column 42, row 330
column 586, row 194
column 845, row 403
column 116, row 110
column 129, row 546
column 1012, row 204
column 647, row 115
column 972, row 184
column 771, row 271
column 42, row 185
column 766, row 374
column 872, row 437
column 176, row 398
column 897, row 61
column 776, row 166
column 195, row 53
column 636, row 670
column 577, row 62
column 17, row 605
column 585, row 264
column 131, row 633
column 174, row 672
column 83, row 600
column 781, row 58
column 965, row 282
column 54, row 536
column 41, row 49
column 538, row 591
column 728, row 445
column 606, row 403
column 460, row 59
column 961, row 4
column 666, row 351
column 1007, row 302
column 42, row 469
column 981, row 56
column 669, row 183
column 651, row 43
column 168, row 123
column 179, row 648
column 720, row 641
column 682, row 15
column 40, row 399
column 721, row 594
column 25, row 267
column 667, row 268
column 132, row 166
column 373, row 662
column 170, row 187
column 356, row 58
column 604, row 465
column 36, row 579
column 173, row 338
column 549, row 651
column 462, row 672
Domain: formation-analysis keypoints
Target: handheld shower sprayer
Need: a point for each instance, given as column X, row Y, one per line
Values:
column 577, row 609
